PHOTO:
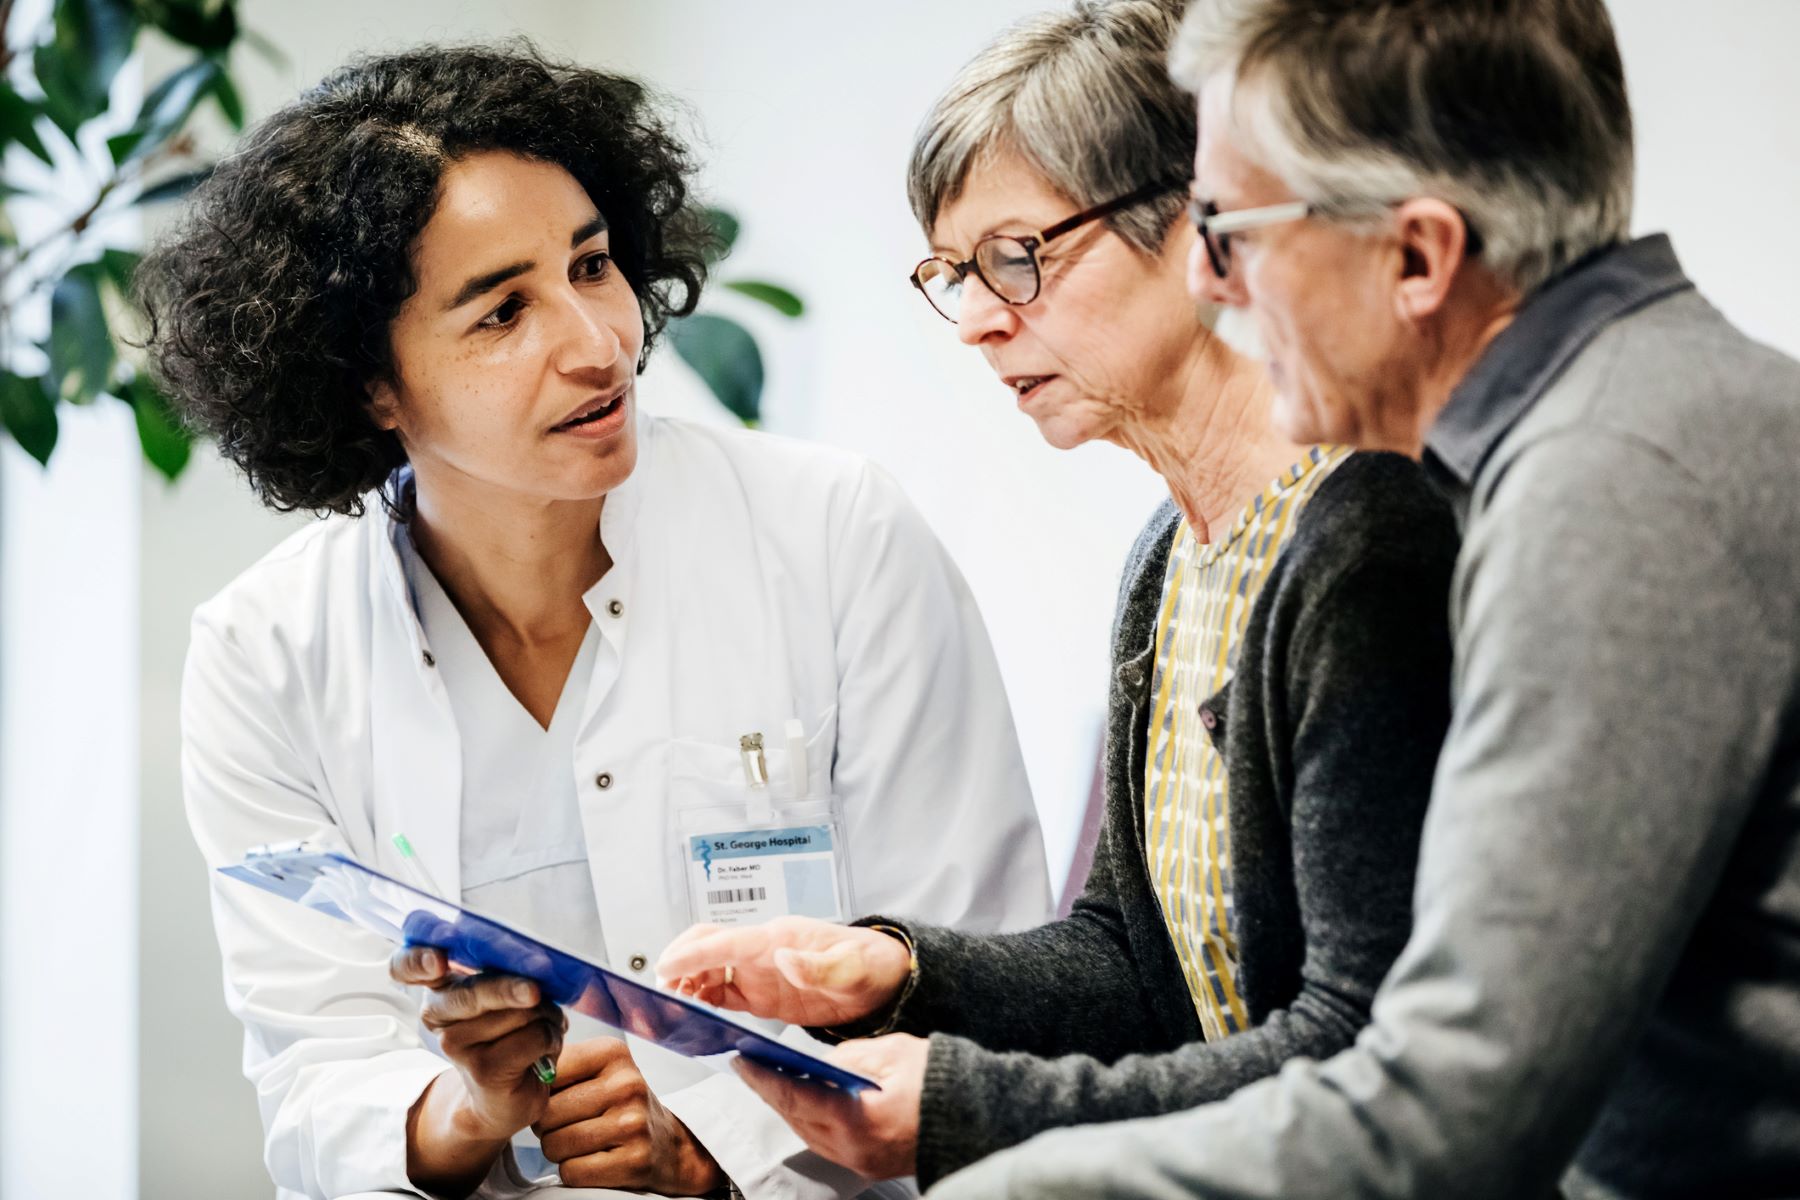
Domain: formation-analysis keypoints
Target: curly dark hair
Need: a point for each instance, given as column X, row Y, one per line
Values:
column 270, row 303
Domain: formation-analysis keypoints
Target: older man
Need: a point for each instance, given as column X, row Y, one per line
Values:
column 1423, row 207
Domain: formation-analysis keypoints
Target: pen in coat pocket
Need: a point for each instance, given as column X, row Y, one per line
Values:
column 797, row 764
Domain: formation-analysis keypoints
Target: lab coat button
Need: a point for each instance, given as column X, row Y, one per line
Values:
column 603, row 780
column 616, row 607
column 639, row 962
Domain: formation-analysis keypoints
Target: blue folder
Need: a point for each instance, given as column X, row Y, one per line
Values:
column 343, row 888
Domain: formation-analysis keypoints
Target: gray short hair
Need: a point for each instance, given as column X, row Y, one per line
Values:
column 1513, row 110
column 1084, row 97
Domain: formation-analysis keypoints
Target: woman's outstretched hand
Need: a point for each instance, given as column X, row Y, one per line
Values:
column 798, row 970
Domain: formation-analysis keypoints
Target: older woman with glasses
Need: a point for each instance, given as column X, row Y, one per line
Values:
column 1281, row 666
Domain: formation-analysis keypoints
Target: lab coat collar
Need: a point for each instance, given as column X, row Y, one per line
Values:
column 417, row 750
column 416, row 767
column 392, row 569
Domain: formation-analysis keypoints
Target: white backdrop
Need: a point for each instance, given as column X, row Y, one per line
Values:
column 806, row 108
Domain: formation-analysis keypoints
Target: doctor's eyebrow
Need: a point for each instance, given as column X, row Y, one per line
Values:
column 482, row 284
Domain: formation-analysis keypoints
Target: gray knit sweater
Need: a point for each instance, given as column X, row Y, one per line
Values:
column 1330, row 730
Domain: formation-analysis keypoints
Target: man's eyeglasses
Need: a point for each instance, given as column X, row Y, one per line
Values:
column 1215, row 227
column 1008, row 263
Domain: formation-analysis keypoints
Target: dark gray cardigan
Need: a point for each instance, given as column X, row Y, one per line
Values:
column 1330, row 731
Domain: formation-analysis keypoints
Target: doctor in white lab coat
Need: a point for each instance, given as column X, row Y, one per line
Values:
column 537, row 656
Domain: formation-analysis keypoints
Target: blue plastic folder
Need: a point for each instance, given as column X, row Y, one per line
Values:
column 343, row 888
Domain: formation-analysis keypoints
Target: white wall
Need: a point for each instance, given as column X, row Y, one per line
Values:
column 1717, row 102
column 68, row 734
column 69, row 809
column 807, row 107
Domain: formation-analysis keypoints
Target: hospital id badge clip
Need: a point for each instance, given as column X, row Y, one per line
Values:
column 750, row 862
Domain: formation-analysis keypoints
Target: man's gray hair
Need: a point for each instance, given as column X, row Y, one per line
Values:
column 1084, row 97
column 1512, row 110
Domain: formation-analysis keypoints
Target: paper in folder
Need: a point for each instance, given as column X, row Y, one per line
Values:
column 341, row 887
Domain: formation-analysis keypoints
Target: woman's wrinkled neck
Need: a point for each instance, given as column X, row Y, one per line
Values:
column 1211, row 437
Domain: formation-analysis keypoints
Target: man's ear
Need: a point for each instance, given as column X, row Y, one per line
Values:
column 1434, row 245
column 383, row 404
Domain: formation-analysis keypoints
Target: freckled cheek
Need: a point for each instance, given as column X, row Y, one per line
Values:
column 484, row 396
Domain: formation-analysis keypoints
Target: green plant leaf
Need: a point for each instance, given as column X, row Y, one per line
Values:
column 93, row 38
column 28, row 413
column 724, row 229
column 119, row 145
column 202, row 24
column 165, row 110
column 174, row 187
column 166, row 442
column 18, row 123
column 64, row 101
column 81, row 349
column 230, row 103
column 723, row 353
column 776, row 297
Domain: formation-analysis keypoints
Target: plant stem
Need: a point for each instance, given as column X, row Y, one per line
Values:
column 6, row 47
column 180, row 147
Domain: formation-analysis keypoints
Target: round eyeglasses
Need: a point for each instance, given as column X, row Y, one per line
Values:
column 1008, row 263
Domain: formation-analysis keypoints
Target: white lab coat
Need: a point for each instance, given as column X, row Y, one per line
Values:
column 759, row 579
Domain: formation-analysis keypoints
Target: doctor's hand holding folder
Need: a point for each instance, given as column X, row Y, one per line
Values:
column 495, row 1000
column 596, row 1119
column 588, row 1104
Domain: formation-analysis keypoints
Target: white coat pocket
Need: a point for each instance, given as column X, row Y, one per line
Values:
column 757, row 832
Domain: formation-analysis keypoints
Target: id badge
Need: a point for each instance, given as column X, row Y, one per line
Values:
column 741, row 872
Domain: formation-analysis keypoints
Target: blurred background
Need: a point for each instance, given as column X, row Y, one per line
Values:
column 118, row 1063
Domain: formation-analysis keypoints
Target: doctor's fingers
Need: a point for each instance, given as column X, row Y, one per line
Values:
column 501, row 1063
column 630, row 1165
column 455, row 1037
column 615, row 1090
column 425, row 966
column 590, row 1058
column 471, row 996
column 615, row 1127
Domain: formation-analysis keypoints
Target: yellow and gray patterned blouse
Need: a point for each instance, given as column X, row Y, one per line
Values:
column 1208, row 592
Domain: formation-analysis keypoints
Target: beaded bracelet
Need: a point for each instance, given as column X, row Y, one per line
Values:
column 912, row 982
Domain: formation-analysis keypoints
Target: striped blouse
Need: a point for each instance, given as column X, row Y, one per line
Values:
column 1208, row 592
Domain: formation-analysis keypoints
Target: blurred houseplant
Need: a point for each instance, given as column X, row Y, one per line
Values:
column 98, row 163
column 720, row 350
